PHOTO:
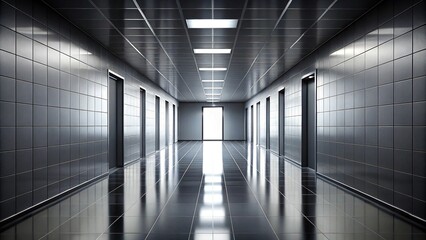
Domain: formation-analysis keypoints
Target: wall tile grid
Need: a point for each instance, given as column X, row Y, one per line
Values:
column 371, row 106
column 53, row 106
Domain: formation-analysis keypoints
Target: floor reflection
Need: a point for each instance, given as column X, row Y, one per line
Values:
column 213, row 190
column 212, row 215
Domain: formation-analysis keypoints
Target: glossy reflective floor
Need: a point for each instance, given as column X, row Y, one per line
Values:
column 213, row 190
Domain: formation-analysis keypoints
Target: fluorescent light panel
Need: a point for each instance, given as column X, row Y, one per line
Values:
column 212, row 23
column 212, row 50
column 213, row 94
column 211, row 81
column 214, row 88
column 212, row 69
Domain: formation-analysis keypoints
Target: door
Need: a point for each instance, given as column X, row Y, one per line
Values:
column 212, row 123
column 246, row 125
column 251, row 123
column 167, row 124
column 115, row 121
column 268, row 123
column 281, row 122
column 143, row 123
column 258, row 123
column 308, row 122
column 174, row 123
column 157, row 123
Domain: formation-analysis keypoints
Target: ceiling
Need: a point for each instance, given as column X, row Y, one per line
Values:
column 271, row 37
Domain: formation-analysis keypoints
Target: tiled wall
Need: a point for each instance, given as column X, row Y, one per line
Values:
column 53, row 106
column 371, row 106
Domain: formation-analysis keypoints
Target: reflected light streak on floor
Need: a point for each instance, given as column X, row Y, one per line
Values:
column 213, row 190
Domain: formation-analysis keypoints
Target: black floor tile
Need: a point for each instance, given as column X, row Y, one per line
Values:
column 192, row 198
column 172, row 225
column 255, row 236
column 140, row 224
column 251, row 225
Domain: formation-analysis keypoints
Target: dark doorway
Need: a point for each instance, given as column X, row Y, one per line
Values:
column 167, row 124
column 251, row 123
column 246, row 125
column 143, row 123
column 268, row 123
column 281, row 122
column 174, row 123
column 157, row 123
column 115, row 120
column 258, row 123
column 308, row 122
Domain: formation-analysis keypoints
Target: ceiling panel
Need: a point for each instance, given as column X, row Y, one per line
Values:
column 271, row 36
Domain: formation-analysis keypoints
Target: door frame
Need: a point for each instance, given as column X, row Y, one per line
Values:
column 258, row 123
column 157, row 120
column 281, row 122
column 143, row 122
column 119, row 162
column 174, row 123
column 251, row 123
column 167, row 120
column 305, row 154
column 268, row 123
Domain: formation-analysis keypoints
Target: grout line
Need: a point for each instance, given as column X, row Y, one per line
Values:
column 270, row 225
column 189, row 41
column 285, row 51
column 237, row 34
column 131, row 44
column 337, row 208
column 143, row 195
column 174, row 190
column 82, row 210
column 196, row 204
column 161, row 45
column 257, row 170
column 227, row 200
column 264, row 45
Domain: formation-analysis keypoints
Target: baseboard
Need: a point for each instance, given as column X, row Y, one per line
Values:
column 391, row 209
column 12, row 220
column 377, row 202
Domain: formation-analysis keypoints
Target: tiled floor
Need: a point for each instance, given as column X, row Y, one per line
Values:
column 213, row 190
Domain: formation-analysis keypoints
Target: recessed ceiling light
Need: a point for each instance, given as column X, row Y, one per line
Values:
column 212, row 23
column 213, row 80
column 213, row 88
column 212, row 69
column 213, row 94
column 212, row 51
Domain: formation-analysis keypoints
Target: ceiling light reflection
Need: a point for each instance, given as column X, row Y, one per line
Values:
column 212, row 69
column 213, row 188
column 212, row 80
column 213, row 179
column 212, row 23
column 212, row 51
column 213, row 198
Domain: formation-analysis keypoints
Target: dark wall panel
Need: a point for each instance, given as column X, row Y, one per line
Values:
column 53, row 106
column 371, row 124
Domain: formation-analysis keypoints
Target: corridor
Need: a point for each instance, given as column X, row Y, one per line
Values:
column 213, row 190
